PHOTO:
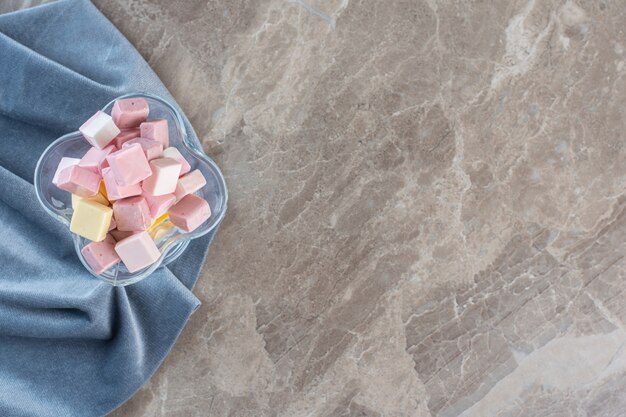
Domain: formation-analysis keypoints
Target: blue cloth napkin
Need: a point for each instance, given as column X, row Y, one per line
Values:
column 71, row 345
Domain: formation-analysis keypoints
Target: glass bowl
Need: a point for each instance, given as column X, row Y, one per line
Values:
column 170, row 240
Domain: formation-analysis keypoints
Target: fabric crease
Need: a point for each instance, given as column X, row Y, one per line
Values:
column 70, row 344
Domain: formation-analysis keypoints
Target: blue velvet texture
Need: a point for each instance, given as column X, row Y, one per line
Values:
column 70, row 344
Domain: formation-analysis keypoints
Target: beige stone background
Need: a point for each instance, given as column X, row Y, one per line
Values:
column 428, row 206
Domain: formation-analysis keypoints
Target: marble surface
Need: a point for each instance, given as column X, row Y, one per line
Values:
column 428, row 206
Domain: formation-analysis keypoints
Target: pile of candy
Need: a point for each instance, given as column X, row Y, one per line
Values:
column 128, row 183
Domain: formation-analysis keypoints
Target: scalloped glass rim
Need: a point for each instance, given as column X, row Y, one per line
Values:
column 176, row 240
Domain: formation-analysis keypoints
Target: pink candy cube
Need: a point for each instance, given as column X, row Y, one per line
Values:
column 115, row 191
column 137, row 251
column 94, row 159
column 159, row 205
column 125, row 136
column 190, row 183
column 99, row 130
column 132, row 214
column 164, row 177
column 64, row 163
column 174, row 153
column 101, row 256
column 120, row 235
column 129, row 112
column 156, row 130
column 129, row 165
column 189, row 213
column 151, row 148
column 78, row 180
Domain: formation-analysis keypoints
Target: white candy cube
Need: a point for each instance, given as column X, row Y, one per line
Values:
column 165, row 172
column 99, row 130
column 174, row 153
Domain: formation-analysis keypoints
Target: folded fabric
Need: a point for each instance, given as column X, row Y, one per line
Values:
column 70, row 344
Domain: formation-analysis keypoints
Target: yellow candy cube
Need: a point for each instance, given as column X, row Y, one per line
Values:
column 158, row 233
column 158, row 229
column 98, row 198
column 157, row 222
column 103, row 191
column 91, row 220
